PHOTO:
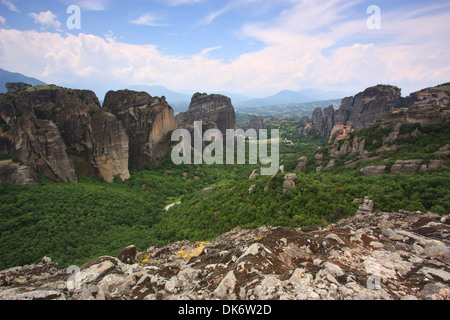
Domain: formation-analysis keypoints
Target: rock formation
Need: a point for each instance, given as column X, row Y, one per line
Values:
column 381, row 103
column 148, row 121
column 302, row 162
column 422, row 114
column 39, row 145
column 215, row 111
column 61, row 132
column 16, row 173
column 354, row 113
column 13, row 87
column 323, row 122
column 256, row 123
column 364, row 109
column 372, row 171
column 372, row 256
column 289, row 181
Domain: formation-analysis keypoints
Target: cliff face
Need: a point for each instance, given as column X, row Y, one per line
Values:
column 54, row 130
column 323, row 122
column 364, row 109
column 372, row 256
column 381, row 103
column 215, row 111
column 148, row 122
column 15, row 173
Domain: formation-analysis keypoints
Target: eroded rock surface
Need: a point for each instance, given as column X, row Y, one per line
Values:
column 148, row 121
column 403, row 255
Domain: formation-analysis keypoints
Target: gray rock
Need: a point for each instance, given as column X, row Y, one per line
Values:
column 128, row 255
column 289, row 181
column 370, row 256
column 372, row 171
column 15, row 173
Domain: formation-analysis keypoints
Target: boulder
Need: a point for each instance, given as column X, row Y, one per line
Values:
column 302, row 162
column 254, row 175
column 15, row 173
column 128, row 255
column 289, row 181
column 372, row 171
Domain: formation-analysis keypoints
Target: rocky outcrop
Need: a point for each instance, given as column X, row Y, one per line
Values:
column 323, row 121
column 406, row 166
column 61, row 132
column 380, row 104
column 422, row 114
column 372, row 256
column 148, row 121
column 366, row 206
column 215, row 111
column 38, row 144
column 354, row 113
column 16, row 173
column 13, row 87
column 302, row 162
column 411, row 166
column 438, row 96
column 364, row 109
column 372, row 171
column 255, row 123
column 111, row 148
column 289, row 181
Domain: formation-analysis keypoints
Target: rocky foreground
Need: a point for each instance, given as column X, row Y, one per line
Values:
column 402, row 255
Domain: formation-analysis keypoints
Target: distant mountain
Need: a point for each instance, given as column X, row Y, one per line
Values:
column 159, row 91
column 294, row 97
column 6, row 76
column 235, row 97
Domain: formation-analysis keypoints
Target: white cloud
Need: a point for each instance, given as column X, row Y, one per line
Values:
column 46, row 19
column 2, row 20
column 206, row 51
column 148, row 19
column 410, row 51
column 10, row 5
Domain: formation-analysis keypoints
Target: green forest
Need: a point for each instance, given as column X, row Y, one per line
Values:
column 74, row 222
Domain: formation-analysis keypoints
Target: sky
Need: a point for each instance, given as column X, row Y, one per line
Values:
column 251, row 47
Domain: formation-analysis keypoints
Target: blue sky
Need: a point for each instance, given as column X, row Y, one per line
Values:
column 251, row 47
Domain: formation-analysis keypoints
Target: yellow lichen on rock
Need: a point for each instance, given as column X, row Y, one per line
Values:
column 193, row 252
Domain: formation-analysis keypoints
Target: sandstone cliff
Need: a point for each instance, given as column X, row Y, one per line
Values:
column 53, row 130
column 372, row 256
column 215, row 111
column 364, row 109
column 323, row 122
column 148, row 121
